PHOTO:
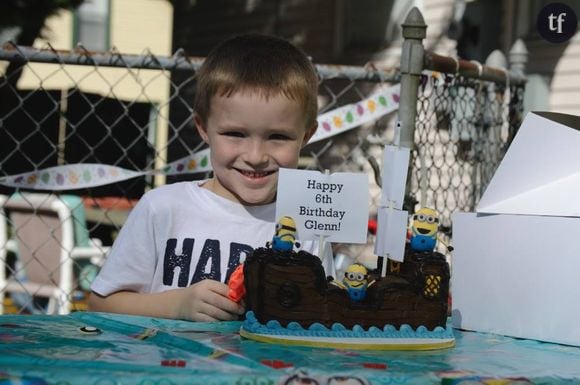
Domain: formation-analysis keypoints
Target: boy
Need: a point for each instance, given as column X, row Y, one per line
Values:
column 256, row 107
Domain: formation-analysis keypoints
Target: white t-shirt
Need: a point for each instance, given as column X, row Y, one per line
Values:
column 181, row 233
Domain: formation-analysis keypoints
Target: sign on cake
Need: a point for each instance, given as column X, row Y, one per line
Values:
column 333, row 206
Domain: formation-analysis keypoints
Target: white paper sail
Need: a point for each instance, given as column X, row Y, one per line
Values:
column 391, row 233
column 392, row 220
column 394, row 176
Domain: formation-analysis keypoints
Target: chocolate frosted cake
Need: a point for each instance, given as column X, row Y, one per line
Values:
column 291, row 301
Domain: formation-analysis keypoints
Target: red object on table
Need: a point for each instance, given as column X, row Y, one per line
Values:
column 236, row 284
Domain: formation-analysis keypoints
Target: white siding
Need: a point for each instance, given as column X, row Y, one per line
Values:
column 438, row 14
column 560, row 65
column 565, row 86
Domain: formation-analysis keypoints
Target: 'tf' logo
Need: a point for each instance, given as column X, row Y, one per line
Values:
column 557, row 22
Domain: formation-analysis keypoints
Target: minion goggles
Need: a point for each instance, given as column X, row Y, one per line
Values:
column 355, row 276
column 284, row 227
column 425, row 218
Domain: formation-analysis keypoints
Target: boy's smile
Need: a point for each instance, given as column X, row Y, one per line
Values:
column 250, row 137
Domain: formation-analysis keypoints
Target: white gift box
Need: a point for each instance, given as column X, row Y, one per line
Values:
column 516, row 263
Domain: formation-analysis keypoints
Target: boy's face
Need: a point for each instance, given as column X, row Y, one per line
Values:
column 250, row 138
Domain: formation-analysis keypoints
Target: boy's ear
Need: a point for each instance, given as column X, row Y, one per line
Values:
column 201, row 129
column 309, row 133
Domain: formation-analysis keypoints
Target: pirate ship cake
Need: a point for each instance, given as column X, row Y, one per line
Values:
column 289, row 299
column 402, row 304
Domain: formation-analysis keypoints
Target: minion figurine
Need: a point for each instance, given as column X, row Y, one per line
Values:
column 356, row 281
column 424, row 228
column 285, row 237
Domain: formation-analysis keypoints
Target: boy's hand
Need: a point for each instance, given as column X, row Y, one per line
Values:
column 208, row 301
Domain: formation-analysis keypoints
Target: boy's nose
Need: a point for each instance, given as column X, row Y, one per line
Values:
column 257, row 153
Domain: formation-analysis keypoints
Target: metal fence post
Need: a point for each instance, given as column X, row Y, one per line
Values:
column 412, row 56
column 518, row 57
column 496, row 59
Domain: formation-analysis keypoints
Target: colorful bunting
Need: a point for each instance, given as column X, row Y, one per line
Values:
column 85, row 175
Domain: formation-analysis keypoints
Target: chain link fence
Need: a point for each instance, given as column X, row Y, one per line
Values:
column 130, row 119
column 463, row 128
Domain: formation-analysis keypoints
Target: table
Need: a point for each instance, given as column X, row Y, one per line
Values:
column 141, row 350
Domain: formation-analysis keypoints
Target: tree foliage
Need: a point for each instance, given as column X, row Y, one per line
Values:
column 29, row 16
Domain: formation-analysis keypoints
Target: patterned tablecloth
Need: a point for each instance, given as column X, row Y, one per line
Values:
column 99, row 348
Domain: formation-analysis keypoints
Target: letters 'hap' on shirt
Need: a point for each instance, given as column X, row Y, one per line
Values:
column 181, row 233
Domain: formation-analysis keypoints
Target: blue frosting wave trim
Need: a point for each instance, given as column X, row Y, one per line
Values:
column 252, row 325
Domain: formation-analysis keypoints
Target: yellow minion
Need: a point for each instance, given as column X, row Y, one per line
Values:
column 285, row 236
column 356, row 281
column 424, row 228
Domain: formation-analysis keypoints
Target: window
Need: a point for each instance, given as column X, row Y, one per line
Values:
column 91, row 25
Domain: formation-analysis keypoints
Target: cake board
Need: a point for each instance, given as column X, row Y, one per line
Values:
column 354, row 343
column 339, row 337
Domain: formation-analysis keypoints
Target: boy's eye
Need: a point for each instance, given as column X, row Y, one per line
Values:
column 235, row 134
column 279, row 137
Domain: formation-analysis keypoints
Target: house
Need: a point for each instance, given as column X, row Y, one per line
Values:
column 94, row 114
column 359, row 31
column 473, row 29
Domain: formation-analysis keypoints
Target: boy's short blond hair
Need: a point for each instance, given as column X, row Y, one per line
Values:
column 265, row 64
